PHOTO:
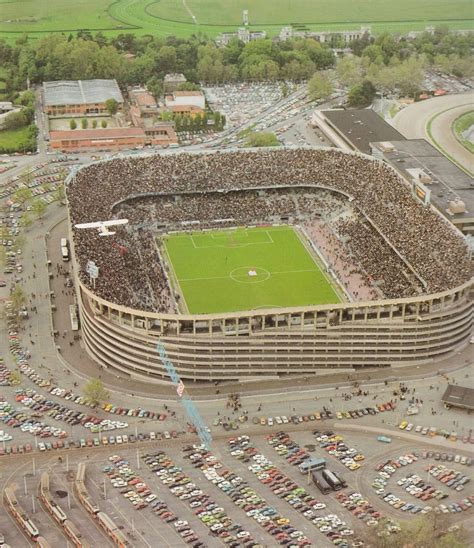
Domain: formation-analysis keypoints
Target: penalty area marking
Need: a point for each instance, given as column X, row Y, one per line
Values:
column 236, row 244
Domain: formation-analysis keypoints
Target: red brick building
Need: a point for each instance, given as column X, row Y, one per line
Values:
column 98, row 139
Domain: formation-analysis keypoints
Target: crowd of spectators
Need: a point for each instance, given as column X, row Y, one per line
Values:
column 244, row 187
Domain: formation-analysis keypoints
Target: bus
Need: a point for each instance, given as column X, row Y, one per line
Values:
column 333, row 480
column 312, row 464
column 74, row 317
column 320, row 482
column 64, row 249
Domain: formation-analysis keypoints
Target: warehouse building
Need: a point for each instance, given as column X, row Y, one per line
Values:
column 72, row 97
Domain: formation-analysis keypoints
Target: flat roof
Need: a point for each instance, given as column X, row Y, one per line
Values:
column 459, row 396
column 80, row 92
column 193, row 93
column 361, row 127
column 449, row 181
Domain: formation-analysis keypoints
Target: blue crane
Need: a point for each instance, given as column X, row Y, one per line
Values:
column 187, row 403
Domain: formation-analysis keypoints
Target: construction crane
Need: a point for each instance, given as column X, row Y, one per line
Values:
column 191, row 410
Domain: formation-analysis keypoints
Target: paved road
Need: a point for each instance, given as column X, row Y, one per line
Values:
column 412, row 122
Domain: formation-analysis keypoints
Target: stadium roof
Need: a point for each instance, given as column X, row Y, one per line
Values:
column 459, row 396
column 448, row 181
column 80, row 92
column 361, row 127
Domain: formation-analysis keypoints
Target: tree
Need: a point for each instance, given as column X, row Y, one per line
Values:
column 72, row 124
column 189, row 86
column 26, row 220
column 262, row 139
column 362, row 94
column 95, row 391
column 22, row 195
column 19, row 242
column 166, row 59
column 94, row 124
column 84, row 123
column 103, row 123
column 427, row 531
column 320, row 86
column 18, row 298
column 112, row 106
column 38, row 207
column 15, row 120
column 59, row 193
column 349, row 71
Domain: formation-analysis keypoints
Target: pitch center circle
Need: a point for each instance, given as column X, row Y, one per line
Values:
column 249, row 275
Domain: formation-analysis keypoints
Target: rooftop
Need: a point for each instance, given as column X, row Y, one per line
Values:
column 187, row 93
column 361, row 127
column 449, row 182
column 92, row 134
column 175, row 77
column 459, row 396
column 80, row 92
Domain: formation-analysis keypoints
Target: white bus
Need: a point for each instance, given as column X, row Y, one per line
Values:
column 74, row 317
column 64, row 249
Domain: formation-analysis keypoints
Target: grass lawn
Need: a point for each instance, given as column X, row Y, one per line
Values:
column 174, row 17
column 244, row 269
column 15, row 139
column 460, row 125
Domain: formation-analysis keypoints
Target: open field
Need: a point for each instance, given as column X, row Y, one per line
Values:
column 169, row 17
column 243, row 269
column 15, row 139
column 460, row 126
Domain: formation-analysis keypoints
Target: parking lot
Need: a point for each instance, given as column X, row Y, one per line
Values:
column 247, row 486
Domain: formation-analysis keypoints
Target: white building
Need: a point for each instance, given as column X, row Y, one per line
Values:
column 186, row 98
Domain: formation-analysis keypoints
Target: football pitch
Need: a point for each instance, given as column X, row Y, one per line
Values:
column 246, row 269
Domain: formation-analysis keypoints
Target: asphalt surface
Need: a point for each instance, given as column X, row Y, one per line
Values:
column 145, row 529
column 413, row 120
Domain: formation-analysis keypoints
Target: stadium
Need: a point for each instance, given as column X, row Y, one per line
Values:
column 259, row 264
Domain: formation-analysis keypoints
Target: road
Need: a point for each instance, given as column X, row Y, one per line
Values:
column 413, row 122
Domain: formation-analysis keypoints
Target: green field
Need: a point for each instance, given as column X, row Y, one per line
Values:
column 174, row 17
column 462, row 124
column 212, row 270
column 14, row 140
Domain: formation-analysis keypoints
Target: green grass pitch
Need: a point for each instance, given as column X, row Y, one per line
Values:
column 175, row 17
column 214, row 270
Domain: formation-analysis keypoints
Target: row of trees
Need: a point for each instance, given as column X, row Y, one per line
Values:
column 197, row 122
column 85, row 123
column 58, row 56
column 388, row 65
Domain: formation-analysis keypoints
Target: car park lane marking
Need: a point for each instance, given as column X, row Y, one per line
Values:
column 127, row 520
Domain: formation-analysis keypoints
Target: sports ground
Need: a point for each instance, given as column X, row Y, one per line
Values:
column 183, row 18
column 245, row 269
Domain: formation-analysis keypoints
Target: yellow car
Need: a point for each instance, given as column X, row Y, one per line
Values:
column 318, row 416
column 283, row 521
column 359, row 457
column 403, row 425
column 263, row 421
column 339, row 415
